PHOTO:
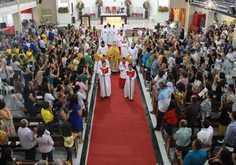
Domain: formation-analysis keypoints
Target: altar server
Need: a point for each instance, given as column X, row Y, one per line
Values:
column 134, row 52
column 123, row 28
column 99, row 65
column 105, row 80
column 114, row 33
column 119, row 39
column 124, row 47
column 130, row 83
column 109, row 42
column 102, row 48
column 123, row 66
column 104, row 34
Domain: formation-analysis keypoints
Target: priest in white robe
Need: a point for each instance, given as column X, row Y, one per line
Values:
column 123, row 66
column 104, row 34
column 130, row 83
column 109, row 41
column 105, row 80
column 124, row 47
column 123, row 28
column 134, row 52
column 102, row 48
column 114, row 33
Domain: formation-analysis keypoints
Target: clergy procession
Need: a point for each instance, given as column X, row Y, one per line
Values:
column 114, row 55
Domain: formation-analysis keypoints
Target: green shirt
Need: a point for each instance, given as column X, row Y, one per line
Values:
column 89, row 60
column 148, row 61
column 182, row 136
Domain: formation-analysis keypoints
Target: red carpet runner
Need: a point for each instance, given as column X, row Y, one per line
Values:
column 120, row 134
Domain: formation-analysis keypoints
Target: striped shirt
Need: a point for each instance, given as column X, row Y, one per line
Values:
column 230, row 134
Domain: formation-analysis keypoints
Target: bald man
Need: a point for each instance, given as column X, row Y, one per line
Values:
column 182, row 137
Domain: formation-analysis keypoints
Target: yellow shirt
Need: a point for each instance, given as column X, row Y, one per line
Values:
column 21, row 61
column 17, row 51
column 67, row 139
column 13, row 55
column 47, row 116
column 29, row 54
column 80, row 55
column 76, row 62
column 44, row 38
column 9, row 51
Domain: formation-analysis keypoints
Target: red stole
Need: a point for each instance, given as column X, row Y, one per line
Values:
column 124, row 63
column 105, row 70
column 124, row 42
column 121, row 35
column 132, row 73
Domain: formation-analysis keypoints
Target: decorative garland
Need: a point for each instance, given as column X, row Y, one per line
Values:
column 63, row 10
column 98, row 3
column 128, row 2
column 146, row 4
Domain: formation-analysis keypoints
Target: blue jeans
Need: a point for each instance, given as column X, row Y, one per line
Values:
column 31, row 63
column 69, row 151
column 184, row 151
column 49, row 127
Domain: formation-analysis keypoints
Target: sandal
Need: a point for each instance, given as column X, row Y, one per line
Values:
column 81, row 141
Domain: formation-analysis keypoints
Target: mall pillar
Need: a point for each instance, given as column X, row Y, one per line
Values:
column 209, row 19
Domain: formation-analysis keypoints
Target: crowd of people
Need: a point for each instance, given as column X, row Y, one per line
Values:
column 57, row 64
column 60, row 64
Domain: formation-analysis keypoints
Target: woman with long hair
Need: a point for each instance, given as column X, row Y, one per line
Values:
column 45, row 142
column 6, row 158
column 76, row 115
column 69, row 138
column 224, row 157
column 49, row 73
column 206, row 106
column 171, row 116
column 30, row 100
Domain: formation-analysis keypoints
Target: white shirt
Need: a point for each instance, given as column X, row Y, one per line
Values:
column 16, row 64
column 49, row 98
column 194, row 56
column 205, row 135
column 170, row 65
column 103, row 50
column 3, row 75
column 231, row 58
column 217, row 64
column 123, row 28
column 63, row 60
column 8, row 69
column 218, row 43
column 41, row 44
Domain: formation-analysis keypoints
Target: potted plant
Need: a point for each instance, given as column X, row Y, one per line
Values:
column 99, row 3
column 80, row 5
column 146, row 4
column 128, row 3
column 163, row 9
column 63, row 10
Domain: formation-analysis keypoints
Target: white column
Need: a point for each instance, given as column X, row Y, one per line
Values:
column 209, row 19
column 35, row 13
column 19, row 16
column 16, row 21
column 189, row 15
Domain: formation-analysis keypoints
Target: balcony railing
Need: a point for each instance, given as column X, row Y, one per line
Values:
column 5, row 1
